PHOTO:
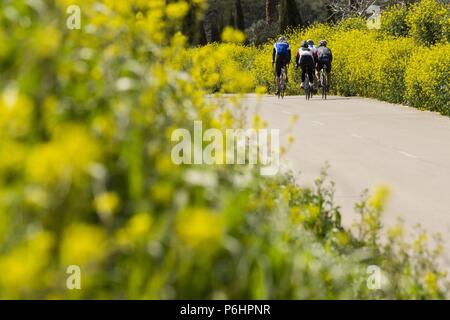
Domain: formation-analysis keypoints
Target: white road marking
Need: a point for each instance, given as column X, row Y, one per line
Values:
column 287, row 112
column 354, row 135
column 318, row 123
column 406, row 154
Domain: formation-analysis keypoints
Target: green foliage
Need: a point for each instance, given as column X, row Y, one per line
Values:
column 260, row 31
column 394, row 21
column 429, row 22
column 349, row 24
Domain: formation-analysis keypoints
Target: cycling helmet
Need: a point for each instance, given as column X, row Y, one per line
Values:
column 323, row 43
column 310, row 42
column 304, row 45
column 282, row 39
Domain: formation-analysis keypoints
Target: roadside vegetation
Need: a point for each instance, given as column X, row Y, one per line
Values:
column 406, row 61
column 86, row 176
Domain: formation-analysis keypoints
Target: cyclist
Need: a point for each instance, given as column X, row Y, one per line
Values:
column 305, row 60
column 314, row 52
column 313, row 49
column 281, row 57
column 325, row 57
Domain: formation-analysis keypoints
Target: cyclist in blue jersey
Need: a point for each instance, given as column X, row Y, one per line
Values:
column 281, row 57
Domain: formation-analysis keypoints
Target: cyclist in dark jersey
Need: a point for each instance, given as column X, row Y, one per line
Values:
column 281, row 57
column 324, row 57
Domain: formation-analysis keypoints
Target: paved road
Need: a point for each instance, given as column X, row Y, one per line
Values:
column 368, row 143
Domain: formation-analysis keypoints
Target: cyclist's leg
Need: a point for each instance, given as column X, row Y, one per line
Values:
column 328, row 74
column 319, row 68
column 286, row 72
column 303, row 75
column 278, row 67
column 315, row 77
column 311, row 75
column 316, row 73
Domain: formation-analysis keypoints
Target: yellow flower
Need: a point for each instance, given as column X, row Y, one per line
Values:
column 83, row 245
column 342, row 238
column 139, row 225
column 396, row 232
column 136, row 230
column 313, row 211
column 421, row 242
column 431, row 283
column 380, row 197
column 107, row 203
column 22, row 268
column 200, row 228
column 15, row 114
column 177, row 10
column 46, row 41
column 12, row 155
column 261, row 90
column 291, row 139
column 232, row 35
column 162, row 192
column 296, row 215
column 65, row 158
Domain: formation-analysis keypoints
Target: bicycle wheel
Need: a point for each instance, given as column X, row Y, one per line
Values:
column 278, row 87
column 306, row 87
column 281, row 84
column 323, row 84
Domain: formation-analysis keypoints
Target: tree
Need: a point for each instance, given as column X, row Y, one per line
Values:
column 192, row 26
column 342, row 9
column 289, row 14
column 240, row 21
column 203, row 40
column 272, row 11
column 232, row 22
column 215, row 33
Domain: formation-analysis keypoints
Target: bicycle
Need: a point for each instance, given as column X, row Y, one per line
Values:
column 307, row 87
column 324, row 82
column 282, row 83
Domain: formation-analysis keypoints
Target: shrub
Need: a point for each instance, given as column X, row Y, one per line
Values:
column 390, row 63
column 429, row 22
column 428, row 79
column 349, row 24
column 353, row 70
column 222, row 67
column 260, row 31
column 394, row 21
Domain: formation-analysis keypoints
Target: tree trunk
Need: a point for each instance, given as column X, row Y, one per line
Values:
column 240, row 21
column 289, row 15
column 203, row 40
column 272, row 11
column 215, row 33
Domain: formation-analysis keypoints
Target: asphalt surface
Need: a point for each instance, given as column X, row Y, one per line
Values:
column 368, row 143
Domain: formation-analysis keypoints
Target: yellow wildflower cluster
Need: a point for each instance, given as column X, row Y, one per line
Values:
column 87, row 180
